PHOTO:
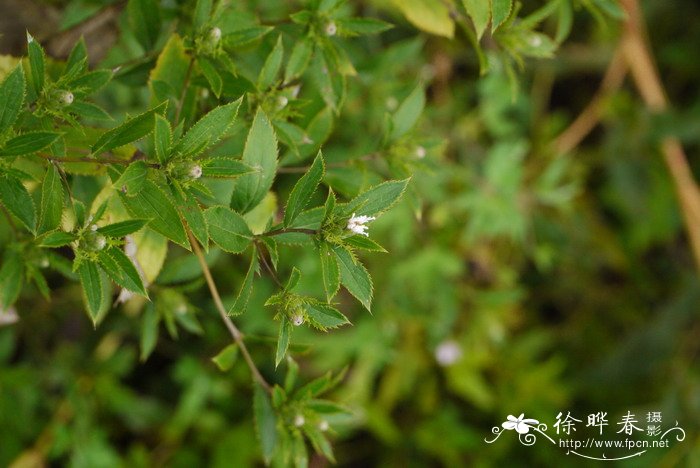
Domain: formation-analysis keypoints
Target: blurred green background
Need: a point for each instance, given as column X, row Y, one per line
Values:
column 517, row 280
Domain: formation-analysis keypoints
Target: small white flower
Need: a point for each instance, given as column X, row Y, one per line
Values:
column 282, row 102
column 420, row 152
column 521, row 425
column 8, row 316
column 297, row 319
column 331, row 29
column 93, row 227
column 195, row 171
column 44, row 262
column 100, row 242
column 392, row 103
column 299, row 420
column 357, row 224
column 535, row 41
column 323, row 425
column 215, row 35
column 447, row 353
column 66, row 98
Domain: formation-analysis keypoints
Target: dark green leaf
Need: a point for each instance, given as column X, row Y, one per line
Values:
column 354, row 277
column 265, row 423
column 144, row 19
column 319, row 441
column 163, row 137
column 191, row 211
column 202, row 12
column 149, row 330
column 88, row 110
column 246, row 290
column 122, row 228
column 36, row 64
column 272, row 65
column 29, row 143
column 93, row 289
column 11, row 277
column 58, row 239
column 131, row 130
column 245, row 36
column 118, row 266
column 377, row 199
column 323, row 316
column 361, row 26
column 212, row 76
column 77, row 60
column 283, row 340
column 132, row 179
column 329, row 271
column 91, row 82
column 364, row 243
column 208, row 130
column 224, row 168
column 51, row 206
column 18, row 201
column 12, row 97
column 228, row 229
column 303, row 190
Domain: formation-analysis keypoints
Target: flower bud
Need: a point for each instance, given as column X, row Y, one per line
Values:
column 93, row 227
column 282, row 102
column 214, row 36
column 330, row 28
column 65, row 98
column 323, row 425
column 297, row 319
column 299, row 420
column 99, row 242
column 195, row 171
column 420, row 152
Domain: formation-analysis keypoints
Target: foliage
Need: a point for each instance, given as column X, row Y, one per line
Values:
column 294, row 166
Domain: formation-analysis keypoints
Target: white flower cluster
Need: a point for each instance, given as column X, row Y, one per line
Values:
column 357, row 224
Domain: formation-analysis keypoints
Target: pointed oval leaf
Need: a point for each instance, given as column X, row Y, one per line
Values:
column 303, row 190
column 377, row 199
column 122, row 228
column 93, row 289
column 354, row 277
column 208, row 130
column 51, row 207
column 29, row 143
column 228, row 229
column 131, row 130
column 18, row 201
column 122, row 271
column 12, row 97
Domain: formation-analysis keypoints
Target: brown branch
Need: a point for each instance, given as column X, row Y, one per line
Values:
column 646, row 77
column 235, row 332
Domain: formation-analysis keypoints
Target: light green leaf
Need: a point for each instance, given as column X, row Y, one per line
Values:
column 361, row 26
column 228, row 229
column 152, row 203
column 265, row 423
column 500, row 11
column 93, row 289
column 18, row 201
column 303, row 190
column 51, row 206
column 480, row 13
column 283, row 339
column 12, row 97
column 272, row 65
column 132, row 179
column 131, row 130
column 202, row 12
column 118, row 266
column 354, row 277
column 260, row 153
column 224, row 168
column 319, row 441
column 299, row 59
column 58, row 239
column 122, row 228
column 29, row 143
column 323, row 316
column 226, row 357
column 408, row 113
column 329, row 271
column 241, row 304
column 144, row 19
column 208, row 130
column 429, row 15
column 377, row 199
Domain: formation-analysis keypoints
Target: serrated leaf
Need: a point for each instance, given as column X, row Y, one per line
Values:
column 36, row 64
column 480, row 13
column 149, row 331
column 329, row 271
column 131, row 130
column 93, row 289
column 324, row 316
column 408, row 113
column 191, row 211
column 265, row 423
column 11, row 277
column 319, row 441
column 283, row 337
column 152, row 203
column 361, row 26
column 144, row 19
column 132, row 179
column 122, row 228
column 260, row 153
column 57, row 239
column 12, row 97
column 18, row 201
column 354, row 277
column 377, row 199
column 212, row 76
column 224, row 168
column 241, row 304
column 299, row 59
column 364, row 243
column 91, row 82
column 228, row 229
column 303, row 190
column 29, row 143
column 245, row 36
column 51, row 206
column 208, row 130
column 87, row 110
column 162, row 138
column 500, row 11
column 272, row 65
column 429, row 15
column 118, row 267
column 226, row 357
column 77, row 59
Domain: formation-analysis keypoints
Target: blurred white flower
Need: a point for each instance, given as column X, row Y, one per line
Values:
column 323, row 425
column 299, row 420
column 331, row 29
column 357, row 224
column 447, row 353
column 8, row 316
column 195, row 171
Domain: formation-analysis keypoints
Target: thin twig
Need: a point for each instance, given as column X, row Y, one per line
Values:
column 235, row 332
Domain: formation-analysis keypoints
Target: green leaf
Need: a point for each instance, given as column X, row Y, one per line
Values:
column 323, row 316
column 354, row 277
column 303, row 190
column 429, row 15
column 241, row 304
column 191, row 211
column 500, row 11
column 319, row 441
column 299, row 59
column 91, row 82
column 163, row 137
column 149, row 331
column 51, row 206
column 212, row 76
column 170, row 70
column 152, row 203
column 361, row 26
column 132, row 179
column 131, row 130
column 408, row 113
column 12, row 97
column 122, row 228
column 77, row 59
column 272, row 65
column 228, row 229
column 480, row 13
column 329, row 271
column 36, row 63
column 245, row 36
column 118, row 266
column 57, row 239
column 93, row 289
column 283, row 340
column 18, row 201
column 11, row 277
column 364, row 243
column 88, row 110
column 224, row 168
column 293, row 280
column 260, row 153
column 208, row 130
column 377, row 199
column 144, row 19
column 265, row 422
column 202, row 12
column 226, row 357
column 29, row 143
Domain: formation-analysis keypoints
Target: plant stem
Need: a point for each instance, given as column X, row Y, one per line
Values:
column 235, row 332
